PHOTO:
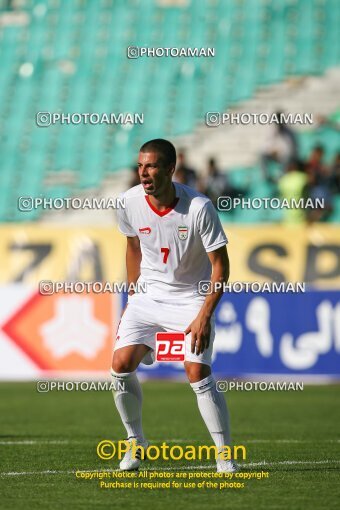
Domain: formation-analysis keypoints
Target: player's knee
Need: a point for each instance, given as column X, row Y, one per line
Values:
column 121, row 364
column 196, row 371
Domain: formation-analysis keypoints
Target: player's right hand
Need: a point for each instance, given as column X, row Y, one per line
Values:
column 200, row 329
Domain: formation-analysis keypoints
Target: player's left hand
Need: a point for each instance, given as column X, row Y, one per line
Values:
column 200, row 329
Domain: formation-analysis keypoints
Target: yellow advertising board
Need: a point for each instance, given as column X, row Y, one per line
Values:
column 285, row 253
column 30, row 253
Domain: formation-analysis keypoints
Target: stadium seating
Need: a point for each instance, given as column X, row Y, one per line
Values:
column 70, row 57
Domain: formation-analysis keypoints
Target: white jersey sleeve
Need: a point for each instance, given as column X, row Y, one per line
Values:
column 124, row 224
column 210, row 228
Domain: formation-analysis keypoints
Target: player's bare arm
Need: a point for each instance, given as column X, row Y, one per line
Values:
column 200, row 327
column 133, row 260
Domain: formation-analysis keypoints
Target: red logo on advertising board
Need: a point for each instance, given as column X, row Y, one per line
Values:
column 170, row 346
column 63, row 332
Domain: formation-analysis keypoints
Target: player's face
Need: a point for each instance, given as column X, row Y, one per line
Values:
column 154, row 175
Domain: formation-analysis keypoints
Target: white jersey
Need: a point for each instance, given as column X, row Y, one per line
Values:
column 174, row 242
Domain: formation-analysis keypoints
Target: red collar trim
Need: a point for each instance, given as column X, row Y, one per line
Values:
column 166, row 211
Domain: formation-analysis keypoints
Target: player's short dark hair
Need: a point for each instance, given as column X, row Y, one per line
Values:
column 163, row 147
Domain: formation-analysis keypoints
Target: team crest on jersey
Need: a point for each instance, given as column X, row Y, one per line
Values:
column 183, row 232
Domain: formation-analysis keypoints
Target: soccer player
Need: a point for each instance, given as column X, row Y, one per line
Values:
column 174, row 240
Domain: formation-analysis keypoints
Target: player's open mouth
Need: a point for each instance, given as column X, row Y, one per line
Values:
column 147, row 184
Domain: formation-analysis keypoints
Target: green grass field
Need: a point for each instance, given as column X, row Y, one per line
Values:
column 46, row 437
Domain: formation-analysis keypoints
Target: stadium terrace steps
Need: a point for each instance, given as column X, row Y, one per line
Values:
column 240, row 145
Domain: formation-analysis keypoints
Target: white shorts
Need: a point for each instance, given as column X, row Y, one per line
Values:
column 144, row 317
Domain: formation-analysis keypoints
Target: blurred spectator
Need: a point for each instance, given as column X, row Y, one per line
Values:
column 294, row 185
column 281, row 147
column 335, row 174
column 217, row 184
column 315, row 166
column 184, row 174
column 180, row 176
column 320, row 184
column 135, row 180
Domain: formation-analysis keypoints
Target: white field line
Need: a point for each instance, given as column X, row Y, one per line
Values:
column 181, row 468
column 35, row 441
column 183, row 441
column 246, row 441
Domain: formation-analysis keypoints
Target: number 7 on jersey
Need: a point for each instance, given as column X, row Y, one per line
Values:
column 165, row 252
